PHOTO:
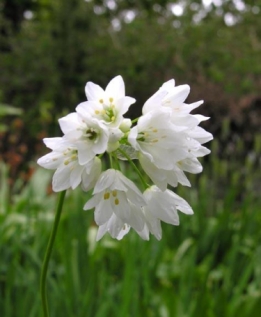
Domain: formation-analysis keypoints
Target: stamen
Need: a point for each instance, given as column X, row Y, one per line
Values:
column 66, row 162
column 106, row 196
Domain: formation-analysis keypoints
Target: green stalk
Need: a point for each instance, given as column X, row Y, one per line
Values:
column 135, row 167
column 134, row 120
column 111, row 160
column 48, row 253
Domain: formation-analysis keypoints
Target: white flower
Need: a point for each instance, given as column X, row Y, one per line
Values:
column 89, row 135
column 162, row 206
column 69, row 173
column 162, row 177
column 117, row 202
column 156, row 138
column 107, row 105
column 171, row 96
column 91, row 174
column 168, row 138
column 115, row 227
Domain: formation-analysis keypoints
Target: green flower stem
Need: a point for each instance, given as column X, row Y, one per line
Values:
column 48, row 253
column 111, row 160
column 116, row 161
column 134, row 120
column 135, row 167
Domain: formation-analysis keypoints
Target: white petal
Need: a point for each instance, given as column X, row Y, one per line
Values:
column 178, row 175
column 132, row 138
column 177, row 95
column 85, row 152
column 103, row 211
column 75, row 176
column 144, row 233
column 115, row 88
column 101, row 231
column 194, row 105
column 202, row 151
column 69, row 122
column 168, row 85
column 157, row 175
column 162, row 205
column 61, row 178
column 52, row 143
column 154, row 102
column 105, row 181
column 188, row 121
column 136, row 219
column 182, row 205
column 191, row 165
column 93, row 91
column 200, row 135
column 122, row 105
column 51, row 160
column 116, row 227
column 92, row 202
column 91, row 174
column 125, row 229
column 122, row 209
column 201, row 118
column 153, row 223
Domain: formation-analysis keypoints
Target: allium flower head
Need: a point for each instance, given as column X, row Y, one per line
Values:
column 166, row 139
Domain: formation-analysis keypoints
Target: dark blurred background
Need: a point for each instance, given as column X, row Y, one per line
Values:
column 209, row 266
column 50, row 49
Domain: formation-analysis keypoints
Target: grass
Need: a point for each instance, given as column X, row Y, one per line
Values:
column 208, row 266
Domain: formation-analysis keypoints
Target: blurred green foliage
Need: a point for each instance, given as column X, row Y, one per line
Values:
column 50, row 49
column 210, row 264
column 207, row 266
column 7, row 110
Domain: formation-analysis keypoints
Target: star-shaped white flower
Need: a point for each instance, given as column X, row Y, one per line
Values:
column 117, row 202
column 162, row 206
column 107, row 105
column 69, row 173
column 88, row 134
column 171, row 96
column 156, row 138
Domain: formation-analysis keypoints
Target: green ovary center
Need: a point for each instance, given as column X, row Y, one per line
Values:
column 91, row 134
column 109, row 115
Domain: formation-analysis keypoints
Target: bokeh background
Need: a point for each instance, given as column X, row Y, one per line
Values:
column 208, row 266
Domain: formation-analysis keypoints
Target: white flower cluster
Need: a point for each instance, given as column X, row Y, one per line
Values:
column 166, row 139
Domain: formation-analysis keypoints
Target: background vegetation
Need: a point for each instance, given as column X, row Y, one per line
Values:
column 210, row 264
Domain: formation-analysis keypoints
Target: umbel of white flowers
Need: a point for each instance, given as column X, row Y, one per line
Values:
column 166, row 140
